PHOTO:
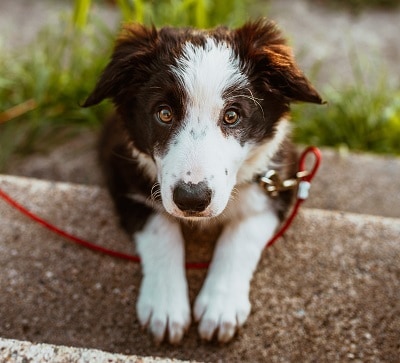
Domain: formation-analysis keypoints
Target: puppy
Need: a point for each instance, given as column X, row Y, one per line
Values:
column 200, row 115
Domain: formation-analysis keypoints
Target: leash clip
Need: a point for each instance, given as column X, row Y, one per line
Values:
column 272, row 183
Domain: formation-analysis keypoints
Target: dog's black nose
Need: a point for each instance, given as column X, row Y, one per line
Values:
column 191, row 197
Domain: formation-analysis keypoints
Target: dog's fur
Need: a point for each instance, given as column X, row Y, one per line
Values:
column 200, row 114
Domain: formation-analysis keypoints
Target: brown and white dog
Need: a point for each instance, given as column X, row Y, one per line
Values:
column 200, row 115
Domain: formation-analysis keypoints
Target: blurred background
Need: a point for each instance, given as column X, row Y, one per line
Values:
column 52, row 51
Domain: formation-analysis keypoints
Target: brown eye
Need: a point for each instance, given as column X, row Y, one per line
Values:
column 165, row 114
column 231, row 117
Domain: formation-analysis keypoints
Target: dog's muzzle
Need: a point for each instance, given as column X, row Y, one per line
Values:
column 192, row 198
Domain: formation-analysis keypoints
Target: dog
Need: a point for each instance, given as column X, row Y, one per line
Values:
column 200, row 115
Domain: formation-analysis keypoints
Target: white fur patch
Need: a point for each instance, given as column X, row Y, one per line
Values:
column 206, row 72
column 163, row 303
column 200, row 151
column 223, row 303
column 201, row 160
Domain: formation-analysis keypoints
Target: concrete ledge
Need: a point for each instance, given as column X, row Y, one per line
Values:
column 356, row 183
column 328, row 291
column 19, row 351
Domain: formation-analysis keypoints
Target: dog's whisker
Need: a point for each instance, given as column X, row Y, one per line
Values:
column 223, row 215
column 155, row 192
column 256, row 101
column 124, row 157
column 234, row 194
column 251, row 97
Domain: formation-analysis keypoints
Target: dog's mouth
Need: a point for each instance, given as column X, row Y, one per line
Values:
column 194, row 216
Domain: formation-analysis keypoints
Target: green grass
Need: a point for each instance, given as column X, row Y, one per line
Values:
column 41, row 87
column 197, row 13
column 47, row 82
column 359, row 117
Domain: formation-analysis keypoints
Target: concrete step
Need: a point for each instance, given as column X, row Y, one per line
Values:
column 328, row 291
column 12, row 350
column 357, row 183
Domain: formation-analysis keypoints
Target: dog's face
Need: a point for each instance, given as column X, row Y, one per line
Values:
column 206, row 107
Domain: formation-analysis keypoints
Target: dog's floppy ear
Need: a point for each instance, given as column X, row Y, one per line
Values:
column 132, row 53
column 270, row 60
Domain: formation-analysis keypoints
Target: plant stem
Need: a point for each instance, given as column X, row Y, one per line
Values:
column 81, row 13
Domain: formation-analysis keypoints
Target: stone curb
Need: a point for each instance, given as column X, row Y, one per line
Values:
column 15, row 351
column 329, row 291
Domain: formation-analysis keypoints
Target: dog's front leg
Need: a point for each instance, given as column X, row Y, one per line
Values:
column 163, row 303
column 223, row 304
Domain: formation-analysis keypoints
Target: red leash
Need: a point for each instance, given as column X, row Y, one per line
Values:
column 304, row 185
column 303, row 189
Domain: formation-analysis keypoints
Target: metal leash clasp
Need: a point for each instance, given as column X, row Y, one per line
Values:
column 273, row 184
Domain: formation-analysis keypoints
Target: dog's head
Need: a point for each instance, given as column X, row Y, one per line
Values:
column 207, row 108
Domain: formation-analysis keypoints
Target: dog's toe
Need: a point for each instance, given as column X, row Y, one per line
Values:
column 176, row 331
column 207, row 328
column 162, row 323
column 144, row 314
column 164, row 313
column 226, row 332
column 157, row 328
column 220, row 313
column 225, row 327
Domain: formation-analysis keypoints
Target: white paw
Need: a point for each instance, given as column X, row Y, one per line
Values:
column 164, row 309
column 221, row 311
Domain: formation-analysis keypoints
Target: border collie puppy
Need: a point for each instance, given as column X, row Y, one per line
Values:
column 200, row 114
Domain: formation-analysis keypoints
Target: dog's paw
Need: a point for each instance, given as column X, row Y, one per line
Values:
column 164, row 309
column 222, row 312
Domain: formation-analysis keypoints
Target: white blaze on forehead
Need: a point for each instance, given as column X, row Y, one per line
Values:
column 205, row 72
column 201, row 151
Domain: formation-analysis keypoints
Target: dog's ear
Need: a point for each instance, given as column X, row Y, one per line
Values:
column 270, row 61
column 132, row 53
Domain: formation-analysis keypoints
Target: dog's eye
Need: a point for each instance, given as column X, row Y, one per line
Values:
column 231, row 117
column 165, row 114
